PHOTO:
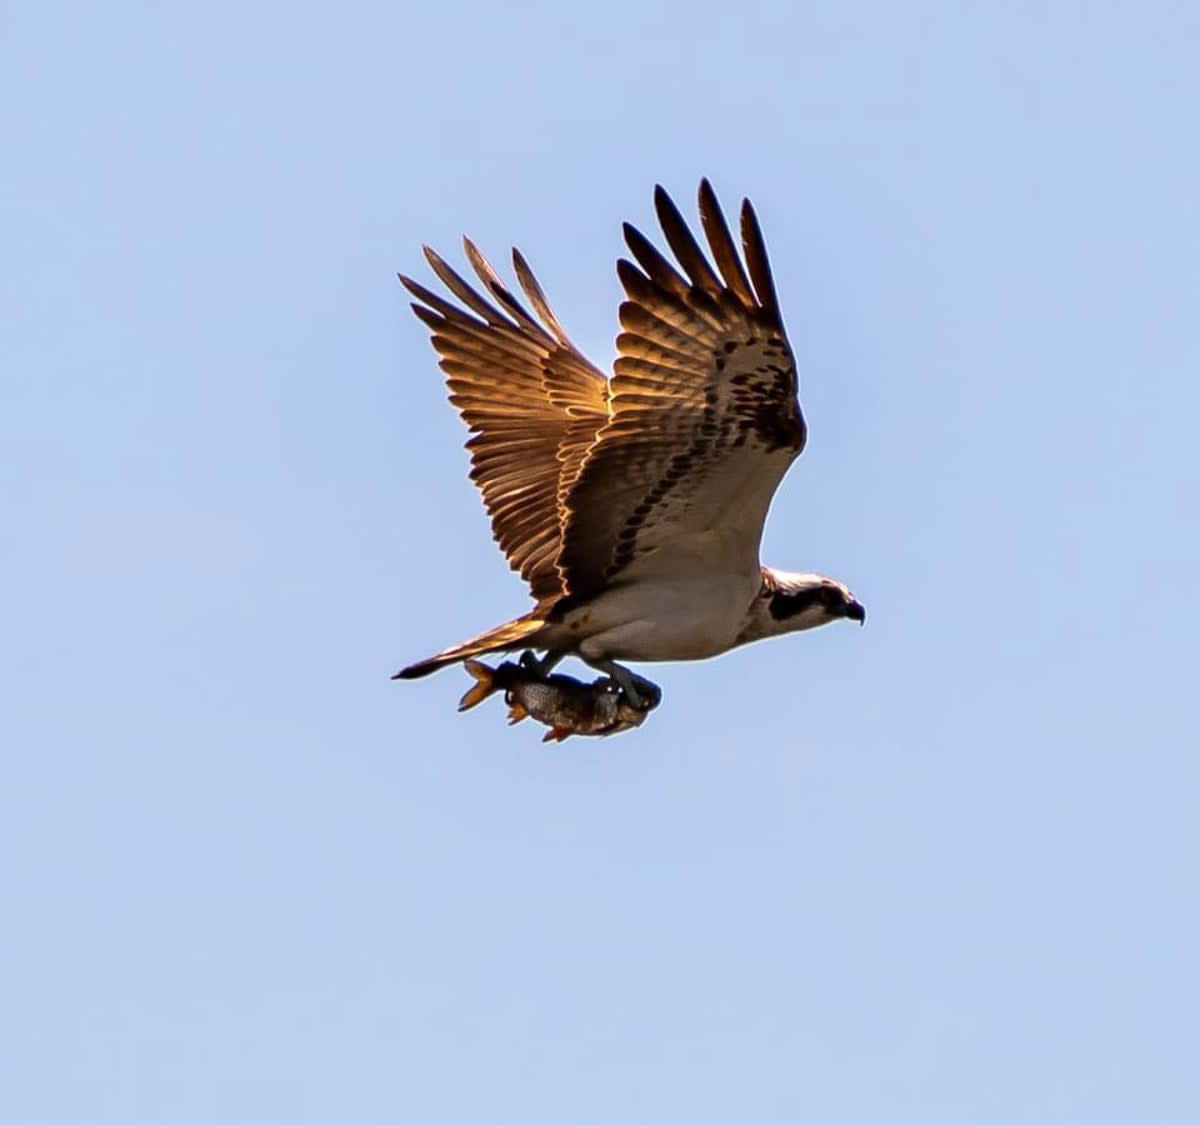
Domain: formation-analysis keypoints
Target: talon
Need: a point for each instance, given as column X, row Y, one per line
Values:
column 542, row 667
column 641, row 693
column 653, row 696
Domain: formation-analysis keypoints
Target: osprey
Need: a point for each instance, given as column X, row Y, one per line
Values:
column 633, row 506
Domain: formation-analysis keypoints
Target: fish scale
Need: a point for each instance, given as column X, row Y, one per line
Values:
column 564, row 704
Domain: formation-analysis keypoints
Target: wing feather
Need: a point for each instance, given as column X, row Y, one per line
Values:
column 697, row 312
column 756, row 258
column 537, row 298
column 726, row 255
column 532, row 401
column 462, row 289
column 704, row 416
column 684, row 245
column 657, row 268
column 671, row 463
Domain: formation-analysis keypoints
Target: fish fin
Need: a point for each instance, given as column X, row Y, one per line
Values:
column 485, row 685
column 516, row 713
column 557, row 734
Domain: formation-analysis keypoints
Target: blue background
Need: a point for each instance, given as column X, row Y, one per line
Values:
column 942, row 869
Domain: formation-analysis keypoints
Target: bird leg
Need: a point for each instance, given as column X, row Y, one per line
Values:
column 642, row 693
column 541, row 667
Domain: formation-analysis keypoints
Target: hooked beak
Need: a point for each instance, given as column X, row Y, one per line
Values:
column 856, row 612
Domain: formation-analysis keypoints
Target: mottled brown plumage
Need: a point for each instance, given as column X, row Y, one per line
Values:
column 584, row 476
column 531, row 399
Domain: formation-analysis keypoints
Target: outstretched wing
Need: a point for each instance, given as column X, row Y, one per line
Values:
column 531, row 399
column 704, row 417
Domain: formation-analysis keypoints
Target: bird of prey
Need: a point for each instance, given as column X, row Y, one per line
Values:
column 633, row 505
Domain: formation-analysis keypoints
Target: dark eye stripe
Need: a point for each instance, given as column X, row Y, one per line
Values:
column 784, row 606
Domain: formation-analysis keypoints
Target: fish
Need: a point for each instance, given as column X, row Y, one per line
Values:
column 564, row 704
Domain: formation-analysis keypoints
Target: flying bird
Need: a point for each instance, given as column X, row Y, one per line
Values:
column 633, row 505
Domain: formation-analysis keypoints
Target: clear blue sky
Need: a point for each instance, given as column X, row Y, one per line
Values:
column 939, row 870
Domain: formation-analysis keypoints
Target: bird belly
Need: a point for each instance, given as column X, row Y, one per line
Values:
column 658, row 620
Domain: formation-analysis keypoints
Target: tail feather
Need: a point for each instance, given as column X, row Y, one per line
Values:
column 510, row 635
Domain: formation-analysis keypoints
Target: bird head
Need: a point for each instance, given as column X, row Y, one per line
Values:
column 788, row 603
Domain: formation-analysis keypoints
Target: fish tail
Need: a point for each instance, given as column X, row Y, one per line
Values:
column 485, row 684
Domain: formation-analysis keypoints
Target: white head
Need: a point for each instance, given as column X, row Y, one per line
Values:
column 789, row 602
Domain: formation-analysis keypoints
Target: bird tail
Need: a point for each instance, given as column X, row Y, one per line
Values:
column 510, row 635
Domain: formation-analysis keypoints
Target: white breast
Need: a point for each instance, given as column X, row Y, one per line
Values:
column 687, row 617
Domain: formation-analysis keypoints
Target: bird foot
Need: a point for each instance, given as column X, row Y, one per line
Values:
column 641, row 692
column 543, row 667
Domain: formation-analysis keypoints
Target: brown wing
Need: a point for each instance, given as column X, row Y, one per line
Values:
column 704, row 417
column 531, row 399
